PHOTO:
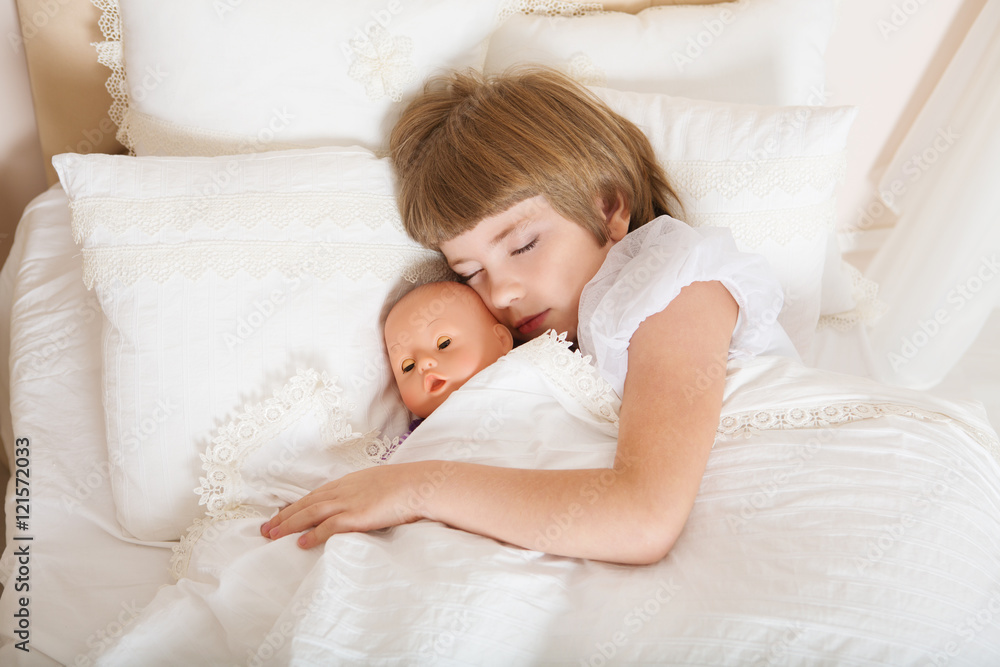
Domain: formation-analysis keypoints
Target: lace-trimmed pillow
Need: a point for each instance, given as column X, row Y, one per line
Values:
column 220, row 277
column 752, row 51
column 768, row 173
column 211, row 78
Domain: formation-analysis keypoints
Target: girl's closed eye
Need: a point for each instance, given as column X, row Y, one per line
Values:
column 465, row 279
column 443, row 342
column 525, row 248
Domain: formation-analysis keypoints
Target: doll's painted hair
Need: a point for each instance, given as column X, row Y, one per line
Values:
column 472, row 146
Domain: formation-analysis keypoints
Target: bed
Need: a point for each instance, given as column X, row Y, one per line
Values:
column 193, row 336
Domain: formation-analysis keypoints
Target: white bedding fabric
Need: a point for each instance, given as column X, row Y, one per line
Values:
column 835, row 517
column 86, row 581
column 864, row 531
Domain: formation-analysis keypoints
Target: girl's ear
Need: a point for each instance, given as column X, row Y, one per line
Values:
column 504, row 336
column 616, row 217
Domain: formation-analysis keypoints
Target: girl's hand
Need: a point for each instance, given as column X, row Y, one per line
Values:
column 358, row 502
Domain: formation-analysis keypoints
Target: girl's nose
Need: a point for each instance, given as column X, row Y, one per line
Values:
column 426, row 362
column 504, row 291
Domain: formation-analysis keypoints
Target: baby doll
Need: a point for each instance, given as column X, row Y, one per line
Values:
column 438, row 336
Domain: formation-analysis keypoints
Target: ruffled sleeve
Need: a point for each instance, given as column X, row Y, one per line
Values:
column 648, row 268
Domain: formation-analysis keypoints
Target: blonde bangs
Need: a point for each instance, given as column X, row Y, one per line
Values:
column 472, row 147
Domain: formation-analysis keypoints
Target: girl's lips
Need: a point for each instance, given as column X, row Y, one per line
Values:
column 532, row 323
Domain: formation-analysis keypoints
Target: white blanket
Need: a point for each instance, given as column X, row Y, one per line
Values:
column 838, row 521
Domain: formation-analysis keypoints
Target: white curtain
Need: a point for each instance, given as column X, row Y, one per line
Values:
column 939, row 270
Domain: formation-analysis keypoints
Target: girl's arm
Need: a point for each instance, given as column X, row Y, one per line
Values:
column 630, row 514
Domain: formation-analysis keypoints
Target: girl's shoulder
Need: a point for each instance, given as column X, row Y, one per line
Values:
column 648, row 268
column 673, row 251
column 666, row 235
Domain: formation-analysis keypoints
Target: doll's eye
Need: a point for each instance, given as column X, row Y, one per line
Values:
column 408, row 365
column 443, row 342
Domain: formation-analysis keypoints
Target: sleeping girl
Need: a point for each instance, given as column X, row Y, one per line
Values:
column 555, row 211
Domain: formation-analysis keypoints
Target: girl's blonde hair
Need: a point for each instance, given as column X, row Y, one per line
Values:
column 472, row 146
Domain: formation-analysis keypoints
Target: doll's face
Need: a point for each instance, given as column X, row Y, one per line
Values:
column 438, row 336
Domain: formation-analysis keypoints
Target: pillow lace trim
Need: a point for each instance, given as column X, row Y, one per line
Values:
column 752, row 422
column 109, row 54
column 247, row 210
column 572, row 372
column 162, row 137
column 760, row 177
column 192, row 260
column 221, row 489
column 868, row 307
column 752, row 229
column 550, row 8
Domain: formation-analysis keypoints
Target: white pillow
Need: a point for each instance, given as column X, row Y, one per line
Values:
column 758, row 52
column 237, row 77
column 767, row 173
column 221, row 276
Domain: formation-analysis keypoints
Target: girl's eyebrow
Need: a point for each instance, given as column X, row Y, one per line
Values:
column 513, row 227
column 510, row 229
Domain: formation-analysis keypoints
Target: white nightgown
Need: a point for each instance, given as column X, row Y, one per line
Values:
column 648, row 268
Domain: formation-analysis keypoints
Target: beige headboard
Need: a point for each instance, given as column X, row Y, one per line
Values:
column 67, row 82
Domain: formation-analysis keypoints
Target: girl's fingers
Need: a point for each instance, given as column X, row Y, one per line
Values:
column 319, row 534
column 303, row 504
column 305, row 518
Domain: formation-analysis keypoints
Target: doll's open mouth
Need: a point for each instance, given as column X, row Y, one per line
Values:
column 433, row 384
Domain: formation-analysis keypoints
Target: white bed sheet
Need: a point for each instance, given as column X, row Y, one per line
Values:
column 86, row 581
column 976, row 376
column 82, row 597
column 862, row 528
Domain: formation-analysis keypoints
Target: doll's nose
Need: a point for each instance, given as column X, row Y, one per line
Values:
column 426, row 363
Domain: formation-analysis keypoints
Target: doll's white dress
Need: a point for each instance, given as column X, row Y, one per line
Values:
column 648, row 268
